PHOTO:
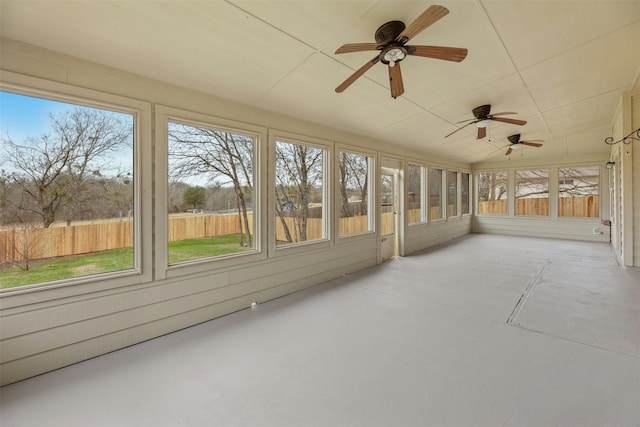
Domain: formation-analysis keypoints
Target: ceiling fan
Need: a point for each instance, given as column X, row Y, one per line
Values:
column 515, row 142
column 483, row 115
column 391, row 39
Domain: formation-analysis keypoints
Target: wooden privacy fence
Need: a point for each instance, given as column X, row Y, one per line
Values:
column 18, row 244
column 583, row 206
column 39, row 243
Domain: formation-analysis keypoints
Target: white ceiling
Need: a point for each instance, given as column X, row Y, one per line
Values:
column 562, row 65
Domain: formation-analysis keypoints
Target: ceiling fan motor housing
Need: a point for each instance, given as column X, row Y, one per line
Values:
column 389, row 31
column 514, row 139
column 481, row 112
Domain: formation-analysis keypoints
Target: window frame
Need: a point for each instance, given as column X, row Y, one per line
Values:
column 469, row 192
column 142, row 167
column 328, row 188
column 164, row 115
column 476, row 187
column 424, row 217
column 559, row 198
column 515, row 191
column 456, row 196
column 371, row 168
column 442, row 216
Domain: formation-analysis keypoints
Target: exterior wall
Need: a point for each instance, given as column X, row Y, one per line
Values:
column 53, row 326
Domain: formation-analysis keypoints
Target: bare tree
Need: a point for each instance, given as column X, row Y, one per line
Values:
column 354, row 180
column 218, row 156
column 299, row 171
column 52, row 170
column 492, row 186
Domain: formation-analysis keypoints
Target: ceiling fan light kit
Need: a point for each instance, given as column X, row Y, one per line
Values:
column 391, row 39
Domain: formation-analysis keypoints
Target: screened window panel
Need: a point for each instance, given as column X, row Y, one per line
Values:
column 211, row 192
column 353, row 188
column 579, row 191
column 299, row 193
column 67, row 189
column 493, row 193
column 532, row 192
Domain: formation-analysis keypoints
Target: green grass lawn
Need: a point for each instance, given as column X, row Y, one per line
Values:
column 184, row 250
column 114, row 260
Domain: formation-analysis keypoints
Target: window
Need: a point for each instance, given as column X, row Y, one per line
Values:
column 532, row 192
column 452, row 193
column 415, row 200
column 579, row 191
column 464, row 193
column 435, row 194
column 211, row 192
column 67, row 190
column 299, row 193
column 492, row 193
column 353, row 185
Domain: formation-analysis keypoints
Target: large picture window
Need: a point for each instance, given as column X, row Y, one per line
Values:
column 67, row 190
column 492, row 193
column 579, row 191
column 415, row 200
column 435, row 194
column 532, row 192
column 299, row 193
column 211, row 192
column 353, row 186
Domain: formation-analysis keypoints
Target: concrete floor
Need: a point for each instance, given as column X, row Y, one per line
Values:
column 483, row 331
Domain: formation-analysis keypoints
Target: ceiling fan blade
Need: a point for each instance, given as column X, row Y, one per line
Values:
column 508, row 151
column 353, row 77
column 512, row 121
column 460, row 128
column 468, row 120
column 395, row 81
column 504, row 113
column 455, row 54
column 482, row 132
column 357, row 47
column 428, row 17
column 531, row 144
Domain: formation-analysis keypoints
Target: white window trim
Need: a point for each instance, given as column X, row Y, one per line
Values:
column 456, row 215
column 510, row 193
column 103, row 282
column 371, row 156
column 163, row 115
column 328, row 188
column 443, row 186
column 469, row 193
column 424, row 171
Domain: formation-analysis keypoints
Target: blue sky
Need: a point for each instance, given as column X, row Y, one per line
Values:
column 23, row 116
